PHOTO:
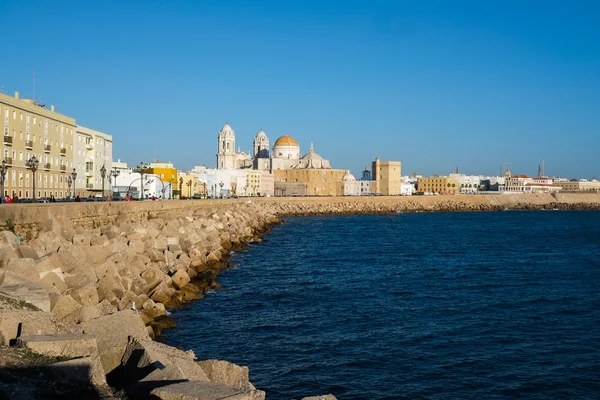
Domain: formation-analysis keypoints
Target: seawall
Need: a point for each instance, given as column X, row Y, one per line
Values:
column 101, row 277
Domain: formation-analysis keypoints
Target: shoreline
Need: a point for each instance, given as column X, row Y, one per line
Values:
column 109, row 272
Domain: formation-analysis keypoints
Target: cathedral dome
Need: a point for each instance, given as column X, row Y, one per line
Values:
column 286, row 140
column 348, row 177
column 226, row 127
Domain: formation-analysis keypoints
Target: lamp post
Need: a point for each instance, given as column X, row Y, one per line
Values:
column 69, row 181
column 180, row 187
column 221, row 185
column 33, row 164
column 115, row 172
column 103, row 175
column 140, row 169
column 3, row 169
column 189, row 185
column 74, row 175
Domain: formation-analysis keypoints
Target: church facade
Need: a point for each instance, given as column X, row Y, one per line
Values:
column 294, row 173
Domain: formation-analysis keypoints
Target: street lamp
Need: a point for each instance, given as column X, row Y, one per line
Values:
column 103, row 175
column 180, row 188
column 189, row 185
column 221, row 185
column 204, row 191
column 33, row 164
column 69, row 181
column 115, row 172
column 3, row 169
column 74, row 175
column 140, row 169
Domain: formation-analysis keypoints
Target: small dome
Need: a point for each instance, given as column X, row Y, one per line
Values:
column 226, row 127
column 261, row 133
column 286, row 141
column 348, row 177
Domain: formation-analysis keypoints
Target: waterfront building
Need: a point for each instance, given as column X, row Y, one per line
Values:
column 221, row 182
column 467, row 184
column 167, row 174
column 192, row 185
column 407, row 189
column 258, row 183
column 526, row 184
column 29, row 129
column 438, row 185
column 129, row 184
column 92, row 150
column 387, row 177
column 351, row 185
column 581, row 185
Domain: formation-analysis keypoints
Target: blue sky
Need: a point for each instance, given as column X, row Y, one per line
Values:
column 434, row 84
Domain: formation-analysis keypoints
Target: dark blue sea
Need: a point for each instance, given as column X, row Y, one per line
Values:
column 411, row 306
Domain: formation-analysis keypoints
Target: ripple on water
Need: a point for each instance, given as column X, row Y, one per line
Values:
column 410, row 306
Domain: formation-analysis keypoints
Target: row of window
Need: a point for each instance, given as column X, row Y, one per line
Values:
column 53, row 180
column 57, row 194
column 43, row 159
column 53, row 126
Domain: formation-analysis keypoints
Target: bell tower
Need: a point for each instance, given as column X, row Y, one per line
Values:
column 226, row 152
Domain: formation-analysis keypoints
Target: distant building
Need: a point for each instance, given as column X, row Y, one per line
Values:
column 387, row 177
column 527, row 184
column 467, row 184
column 92, row 151
column 351, row 185
column 167, row 174
column 579, row 186
column 438, row 185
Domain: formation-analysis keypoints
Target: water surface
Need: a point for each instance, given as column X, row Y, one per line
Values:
column 409, row 306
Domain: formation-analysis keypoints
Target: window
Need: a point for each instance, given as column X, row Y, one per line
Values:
column 20, row 156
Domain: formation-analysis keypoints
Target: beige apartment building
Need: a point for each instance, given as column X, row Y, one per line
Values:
column 31, row 130
column 387, row 177
column 579, row 186
column 92, row 152
column 438, row 184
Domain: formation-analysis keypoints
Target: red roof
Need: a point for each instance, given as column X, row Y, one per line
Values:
column 520, row 176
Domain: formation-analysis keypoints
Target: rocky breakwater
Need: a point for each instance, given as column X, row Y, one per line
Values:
column 94, row 298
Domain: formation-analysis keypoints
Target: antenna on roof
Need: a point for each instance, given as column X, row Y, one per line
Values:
column 33, row 77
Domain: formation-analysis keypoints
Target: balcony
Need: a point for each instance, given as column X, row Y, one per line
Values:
column 47, row 166
column 63, row 151
column 47, row 148
column 63, row 168
column 29, row 144
column 89, row 172
column 89, row 185
column 8, row 140
column 89, row 146
column 8, row 160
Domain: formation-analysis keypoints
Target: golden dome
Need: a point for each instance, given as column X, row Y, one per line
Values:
column 286, row 140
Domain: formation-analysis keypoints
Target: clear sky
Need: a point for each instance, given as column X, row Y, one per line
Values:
column 434, row 84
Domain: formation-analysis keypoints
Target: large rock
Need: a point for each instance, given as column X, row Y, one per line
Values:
column 70, row 345
column 83, row 370
column 15, row 323
column 112, row 333
column 226, row 373
column 7, row 254
column 53, row 283
column 152, row 277
column 85, row 295
column 205, row 391
column 24, row 251
column 180, row 279
column 24, row 268
column 29, row 293
column 323, row 397
column 62, row 306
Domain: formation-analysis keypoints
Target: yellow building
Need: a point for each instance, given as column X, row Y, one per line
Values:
column 316, row 182
column 192, row 187
column 579, row 186
column 438, row 184
column 167, row 174
column 29, row 129
column 387, row 177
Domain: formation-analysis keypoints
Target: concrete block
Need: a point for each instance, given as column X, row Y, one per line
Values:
column 83, row 370
column 28, row 292
column 112, row 333
column 24, row 251
column 204, row 391
column 15, row 323
column 226, row 373
column 69, row 345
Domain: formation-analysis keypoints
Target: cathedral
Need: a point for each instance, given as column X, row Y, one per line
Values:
column 285, row 155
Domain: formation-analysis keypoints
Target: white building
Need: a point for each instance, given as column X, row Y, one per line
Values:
column 407, row 189
column 129, row 183
column 468, row 184
column 527, row 184
column 92, row 150
column 351, row 185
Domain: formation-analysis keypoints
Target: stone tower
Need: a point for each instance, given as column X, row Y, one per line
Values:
column 226, row 153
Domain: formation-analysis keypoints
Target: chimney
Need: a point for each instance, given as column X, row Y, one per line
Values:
column 52, row 108
column 17, row 95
